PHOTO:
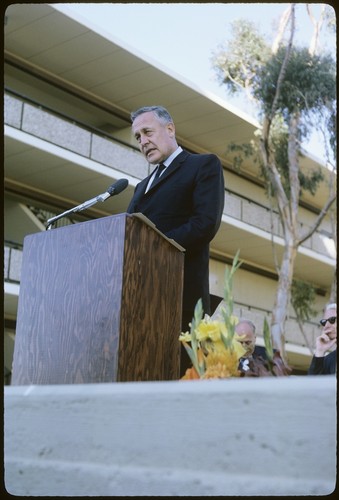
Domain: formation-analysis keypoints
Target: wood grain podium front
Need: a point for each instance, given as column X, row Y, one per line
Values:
column 100, row 301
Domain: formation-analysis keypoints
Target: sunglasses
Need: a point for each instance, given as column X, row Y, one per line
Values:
column 331, row 320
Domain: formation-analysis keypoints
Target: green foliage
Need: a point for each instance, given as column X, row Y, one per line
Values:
column 302, row 299
column 229, row 301
column 279, row 146
column 311, row 182
column 296, row 95
column 240, row 152
column 192, row 350
column 332, row 128
column 228, row 287
column 309, row 83
column 307, row 90
column 247, row 51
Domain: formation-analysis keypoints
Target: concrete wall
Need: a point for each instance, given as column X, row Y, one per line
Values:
column 252, row 436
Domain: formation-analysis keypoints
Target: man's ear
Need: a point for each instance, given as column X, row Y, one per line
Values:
column 171, row 129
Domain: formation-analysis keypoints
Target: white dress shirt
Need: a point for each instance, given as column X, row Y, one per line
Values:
column 167, row 162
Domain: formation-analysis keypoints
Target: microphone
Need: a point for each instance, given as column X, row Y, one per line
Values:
column 112, row 190
column 115, row 188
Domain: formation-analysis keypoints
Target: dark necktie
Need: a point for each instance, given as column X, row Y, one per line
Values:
column 161, row 168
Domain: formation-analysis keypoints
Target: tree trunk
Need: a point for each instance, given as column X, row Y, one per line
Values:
column 282, row 299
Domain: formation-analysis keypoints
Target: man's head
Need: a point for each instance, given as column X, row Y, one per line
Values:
column 154, row 130
column 329, row 321
column 245, row 335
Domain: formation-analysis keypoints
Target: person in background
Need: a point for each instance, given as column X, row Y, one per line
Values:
column 255, row 362
column 246, row 336
column 324, row 361
column 184, row 197
column 245, row 332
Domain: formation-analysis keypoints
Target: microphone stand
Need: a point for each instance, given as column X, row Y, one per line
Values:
column 83, row 206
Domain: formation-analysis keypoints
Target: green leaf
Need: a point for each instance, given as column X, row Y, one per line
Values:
column 193, row 351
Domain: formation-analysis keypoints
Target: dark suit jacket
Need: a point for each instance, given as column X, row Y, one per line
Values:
column 186, row 204
column 325, row 365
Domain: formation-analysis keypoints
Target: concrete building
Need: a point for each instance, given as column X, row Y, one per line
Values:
column 69, row 91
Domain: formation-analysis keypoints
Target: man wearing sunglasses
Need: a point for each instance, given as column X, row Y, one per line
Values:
column 323, row 363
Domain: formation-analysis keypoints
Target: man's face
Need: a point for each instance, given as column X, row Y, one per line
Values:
column 245, row 336
column 329, row 329
column 156, row 140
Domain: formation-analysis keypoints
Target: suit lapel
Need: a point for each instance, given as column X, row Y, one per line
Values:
column 142, row 186
column 176, row 163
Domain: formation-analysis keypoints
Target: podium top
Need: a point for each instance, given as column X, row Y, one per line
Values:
column 146, row 220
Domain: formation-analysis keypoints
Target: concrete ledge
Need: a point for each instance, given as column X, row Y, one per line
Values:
column 264, row 437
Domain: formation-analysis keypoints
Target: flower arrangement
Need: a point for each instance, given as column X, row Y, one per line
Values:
column 214, row 347
column 214, row 351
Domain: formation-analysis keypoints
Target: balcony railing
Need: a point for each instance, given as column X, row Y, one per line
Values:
column 258, row 215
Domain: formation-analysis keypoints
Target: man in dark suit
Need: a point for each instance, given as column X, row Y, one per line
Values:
column 245, row 335
column 254, row 362
column 185, row 201
column 324, row 361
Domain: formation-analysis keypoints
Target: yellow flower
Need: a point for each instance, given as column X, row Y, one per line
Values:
column 214, row 350
column 222, row 365
column 185, row 337
column 216, row 359
column 238, row 348
column 208, row 330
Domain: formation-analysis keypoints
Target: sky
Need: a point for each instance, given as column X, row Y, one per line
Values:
column 183, row 36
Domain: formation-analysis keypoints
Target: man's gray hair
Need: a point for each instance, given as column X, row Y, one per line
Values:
column 159, row 111
column 248, row 321
column 331, row 306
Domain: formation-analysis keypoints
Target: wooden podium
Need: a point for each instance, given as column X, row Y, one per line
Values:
column 100, row 301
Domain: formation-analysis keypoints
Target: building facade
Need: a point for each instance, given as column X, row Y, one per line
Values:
column 69, row 91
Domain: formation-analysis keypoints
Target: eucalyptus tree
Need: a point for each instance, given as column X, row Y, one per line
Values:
column 294, row 89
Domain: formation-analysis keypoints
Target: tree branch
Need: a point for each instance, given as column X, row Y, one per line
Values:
column 317, row 27
column 284, row 64
column 293, row 171
column 282, row 26
column 316, row 223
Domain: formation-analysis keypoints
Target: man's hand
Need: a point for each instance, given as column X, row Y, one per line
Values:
column 323, row 344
